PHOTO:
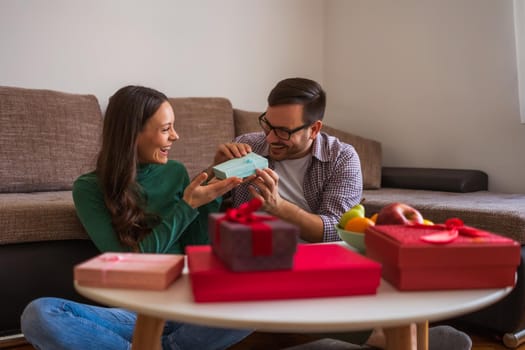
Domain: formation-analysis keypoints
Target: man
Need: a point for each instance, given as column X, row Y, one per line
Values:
column 312, row 178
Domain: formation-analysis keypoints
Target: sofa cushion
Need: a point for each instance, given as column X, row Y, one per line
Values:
column 38, row 216
column 48, row 138
column 369, row 151
column 202, row 124
column 495, row 212
column 245, row 121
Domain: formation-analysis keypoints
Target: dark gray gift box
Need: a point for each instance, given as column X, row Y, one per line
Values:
column 241, row 249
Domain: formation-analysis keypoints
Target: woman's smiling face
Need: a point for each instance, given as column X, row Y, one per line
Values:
column 155, row 139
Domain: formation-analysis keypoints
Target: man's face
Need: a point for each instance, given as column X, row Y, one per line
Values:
column 289, row 117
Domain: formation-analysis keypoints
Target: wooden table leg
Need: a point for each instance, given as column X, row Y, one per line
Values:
column 422, row 335
column 400, row 338
column 148, row 332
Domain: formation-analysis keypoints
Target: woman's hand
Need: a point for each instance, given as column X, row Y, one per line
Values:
column 197, row 195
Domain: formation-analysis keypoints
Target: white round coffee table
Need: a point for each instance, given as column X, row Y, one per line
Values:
column 390, row 309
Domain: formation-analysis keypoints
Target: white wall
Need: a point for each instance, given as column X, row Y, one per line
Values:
column 434, row 80
column 233, row 48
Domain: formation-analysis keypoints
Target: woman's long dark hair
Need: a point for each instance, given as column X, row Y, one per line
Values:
column 127, row 112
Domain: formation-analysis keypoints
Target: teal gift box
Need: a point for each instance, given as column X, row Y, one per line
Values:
column 240, row 167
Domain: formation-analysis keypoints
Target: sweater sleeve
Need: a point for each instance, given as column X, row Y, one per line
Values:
column 181, row 225
column 197, row 233
column 166, row 236
column 94, row 216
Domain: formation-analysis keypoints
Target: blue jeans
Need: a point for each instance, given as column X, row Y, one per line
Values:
column 55, row 324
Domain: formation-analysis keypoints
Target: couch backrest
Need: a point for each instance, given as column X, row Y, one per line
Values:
column 202, row 124
column 369, row 151
column 47, row 138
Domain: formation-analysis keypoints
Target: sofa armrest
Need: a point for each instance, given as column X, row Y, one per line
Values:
column 448, row 180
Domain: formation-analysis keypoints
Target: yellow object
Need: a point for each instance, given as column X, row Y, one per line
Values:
column 427, row 222
column 358, row 224
column 356, row 211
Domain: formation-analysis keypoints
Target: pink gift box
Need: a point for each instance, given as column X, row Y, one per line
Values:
column 265, row 243
column 130, row 270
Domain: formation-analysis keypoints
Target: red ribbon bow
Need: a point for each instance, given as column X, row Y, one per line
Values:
column 245, row 213
column 449, row 231
column 261, row 233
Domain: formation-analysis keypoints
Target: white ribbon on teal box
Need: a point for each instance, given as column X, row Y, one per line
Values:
column 240, row 167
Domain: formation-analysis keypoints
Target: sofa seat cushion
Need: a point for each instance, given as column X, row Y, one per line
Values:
column 495, row 212
column 38, row 216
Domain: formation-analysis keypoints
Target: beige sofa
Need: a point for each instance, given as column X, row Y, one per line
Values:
column 48, row 138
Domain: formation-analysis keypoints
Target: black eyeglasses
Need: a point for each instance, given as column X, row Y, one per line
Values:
column 280, row 132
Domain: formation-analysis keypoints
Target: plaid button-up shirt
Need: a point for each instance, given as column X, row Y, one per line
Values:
column 332, row 184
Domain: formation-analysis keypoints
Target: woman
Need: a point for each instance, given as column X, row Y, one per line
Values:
column 136, row 200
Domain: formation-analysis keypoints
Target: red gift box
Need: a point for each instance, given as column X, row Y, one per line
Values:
column 451, row 256
column 246, row 240
column 130, row 270
column 319, row 270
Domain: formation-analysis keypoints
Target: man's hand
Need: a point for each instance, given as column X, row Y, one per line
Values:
column 196, row 194
column 267, row 183
column 227, row 151
column 265, row 186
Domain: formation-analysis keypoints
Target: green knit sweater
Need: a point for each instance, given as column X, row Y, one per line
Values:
column 163, row 187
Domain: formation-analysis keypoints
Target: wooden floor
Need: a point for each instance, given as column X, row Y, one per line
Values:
column 270, row 341
column 275, row 341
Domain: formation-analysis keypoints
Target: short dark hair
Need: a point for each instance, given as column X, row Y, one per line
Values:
column 301, row 91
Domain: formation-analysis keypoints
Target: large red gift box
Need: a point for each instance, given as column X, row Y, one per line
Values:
column 246, row 240
column 319, row 270
column 461, row 257
column 130, row 270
